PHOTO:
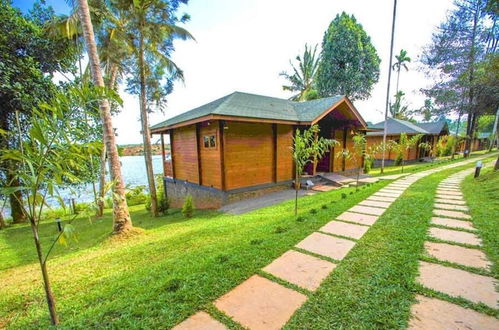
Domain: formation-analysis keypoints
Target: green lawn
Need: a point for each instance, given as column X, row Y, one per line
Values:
column 415, row 167
column 177, row 267
column 160, row 277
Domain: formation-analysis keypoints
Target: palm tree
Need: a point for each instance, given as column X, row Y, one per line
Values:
column 398, row 110
column 121, row 217
column 402, row 60
column 302, row 79
column 151, row 29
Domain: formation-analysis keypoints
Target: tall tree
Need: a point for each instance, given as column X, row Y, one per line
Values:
column 349, row 62
column 121, row 217
column 303, row 75
column 152, row 27
column 461, row 42
column 28, row 59
column 401, row 62
column 398, row 109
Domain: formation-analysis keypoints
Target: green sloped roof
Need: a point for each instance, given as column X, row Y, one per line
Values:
column 397, row 126
column 256, row 106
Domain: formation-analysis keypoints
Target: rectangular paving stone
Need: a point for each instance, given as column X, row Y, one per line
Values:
column 445, row 206
column 455, row 236
column 367, row 210
column 381, row 199
column 200, row 321
column 363, row 219
column 452, row 214
column 344, row 229
column 396, row 188
column 457, row 254
column 458, row 283
column 450, row 201
column 391, row 191
column 326, row 245
column 432, row 313
column 444, row 196
column 384, row 205
column 452, row 223
column 385, row 194
column 301, row 269
column 449, row 186
column 449, row 192
column 259, row 303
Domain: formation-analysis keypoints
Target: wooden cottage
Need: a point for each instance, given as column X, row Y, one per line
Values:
column 431, row 133
column 240, row 145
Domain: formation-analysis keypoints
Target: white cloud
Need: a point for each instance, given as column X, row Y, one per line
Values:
column 243, row 45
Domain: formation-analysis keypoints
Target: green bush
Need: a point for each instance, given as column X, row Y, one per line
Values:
column 368, row 164
column 136, row 195
column 398, row 160
column 188, row 207
column 163, row 202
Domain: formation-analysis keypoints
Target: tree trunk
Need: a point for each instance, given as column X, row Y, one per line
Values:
column 15, row 199
column 297, row 186
column 471, row 109
column 496, row 166
column 146, row 134
column 45, row 276
column 493, row 136
column 2, row 221
column 388, row 85
column 121, row 217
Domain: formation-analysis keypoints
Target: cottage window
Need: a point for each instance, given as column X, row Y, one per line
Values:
column 209, row 141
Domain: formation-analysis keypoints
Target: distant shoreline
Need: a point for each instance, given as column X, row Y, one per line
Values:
column 138, row 149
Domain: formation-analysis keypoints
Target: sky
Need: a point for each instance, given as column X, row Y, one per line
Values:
column 243, row 46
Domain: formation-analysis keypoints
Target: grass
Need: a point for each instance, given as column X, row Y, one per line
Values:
column 482, row 197
column 374, row 286
column 156, row 279
column 177, row 266
column 418, row 166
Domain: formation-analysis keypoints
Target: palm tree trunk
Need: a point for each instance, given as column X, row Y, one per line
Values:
column 121, row 217
column 398, row 79
column 388, row 86
column 146, row 134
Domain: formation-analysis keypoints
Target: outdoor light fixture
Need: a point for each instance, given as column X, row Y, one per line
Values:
column 59, row 225
column 478, row 167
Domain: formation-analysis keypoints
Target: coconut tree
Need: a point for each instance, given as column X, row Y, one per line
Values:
column 121, row 217
column 402, row 60
column 303, row 75
column 152, row 27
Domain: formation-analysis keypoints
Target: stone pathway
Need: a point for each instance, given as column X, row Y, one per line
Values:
column 451, row 212
column 260, row 303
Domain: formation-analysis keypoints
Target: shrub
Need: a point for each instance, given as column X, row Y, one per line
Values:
column 136, row 195
column 279, row 230
column 368, row 164
column 343, row 195
column 324, row 207
column 301, row 219
column 313, row 211
column 399, row 159
column 188, row 207
column 163, row 202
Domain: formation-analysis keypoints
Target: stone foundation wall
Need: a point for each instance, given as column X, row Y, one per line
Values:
column 203, row 197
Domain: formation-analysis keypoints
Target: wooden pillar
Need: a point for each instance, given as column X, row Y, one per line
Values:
column 222, row 154
column 343, row 165
column 163, row 159
column 274, row 153
column 172, row 153
column 331, row 152
column 198, row 149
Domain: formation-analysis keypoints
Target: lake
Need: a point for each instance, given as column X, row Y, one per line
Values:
column 133, row 169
